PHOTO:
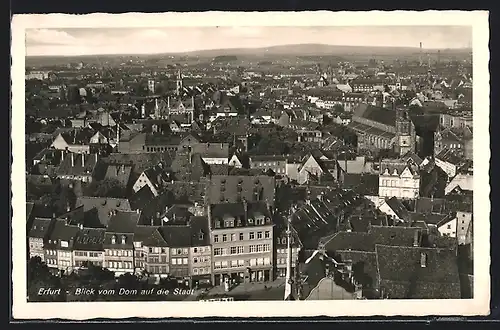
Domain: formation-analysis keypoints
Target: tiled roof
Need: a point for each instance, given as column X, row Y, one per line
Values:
column 63, row 232
column 40, row 228
column 200, row 232
column 82, row 164
column 89, row 239
column 121, row 173
column 402, row 275
column 123, row 222
column 362, row 128
column 376, row 114
column 365, row 184
column 252, row 188
column 176, row 236
column 398, row 208
column 104, row 206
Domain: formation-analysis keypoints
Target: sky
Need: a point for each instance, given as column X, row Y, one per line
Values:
column 93, row 41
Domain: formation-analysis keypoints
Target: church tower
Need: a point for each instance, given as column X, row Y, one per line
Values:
column 405, row 133
column 179, row 85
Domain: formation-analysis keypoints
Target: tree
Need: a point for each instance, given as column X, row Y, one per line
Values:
column 39, row 277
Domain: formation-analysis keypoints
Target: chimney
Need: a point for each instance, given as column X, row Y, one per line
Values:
column 168, row 102
column 245, row 206
column 62, row 155
column 423, row 259
column 123, row 168
column 416, row 237
column 83, row 160
column 152, row 221
column 72, row 160
column 96, row 158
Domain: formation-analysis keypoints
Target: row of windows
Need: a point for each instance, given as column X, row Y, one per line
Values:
column 88, row 254
column 266, row 164
column 233, row 237
column 119, row 264
column 242, row 263
column 283, row 251
column 201, row 271
column 157, row 250
column 241, row 249
column 158, row 269
column 179, row 261
column 180, row 252
column 200, row 259
column 157, row 260
column 119, row 253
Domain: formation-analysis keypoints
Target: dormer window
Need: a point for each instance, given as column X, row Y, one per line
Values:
column 395, row 172
column 124, row 239
column 201, row 235
column 250, row 220
column 217, row 224
column 113, row 239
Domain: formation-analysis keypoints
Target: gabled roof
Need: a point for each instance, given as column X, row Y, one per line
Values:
column 398, row 208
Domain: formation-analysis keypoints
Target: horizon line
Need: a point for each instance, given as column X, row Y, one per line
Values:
column 255, row 48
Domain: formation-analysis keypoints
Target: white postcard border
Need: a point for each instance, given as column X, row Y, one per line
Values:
column 80, row 311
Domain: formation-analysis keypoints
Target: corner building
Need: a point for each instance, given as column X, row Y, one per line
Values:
column 242, row 242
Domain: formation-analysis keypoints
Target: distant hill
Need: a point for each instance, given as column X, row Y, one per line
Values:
column 318, row 50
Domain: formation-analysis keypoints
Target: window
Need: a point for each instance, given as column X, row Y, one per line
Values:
column 253, row 262
column 174, row 261
column 260, row 261
column 195, row 250
column 241, row 263
column 233, row 237
column 224, row 264
column 259, row 235
column 233, row 250
column 234, row 263
column 449, row 226
column 251, row 235
column 224, row 238
column 195, row 260
column 240, row 250
column 267, row 234
column 267, row 261
column 253, row 248
column 241, row 236
column 217, row 265
column 185, row 261
column 216, row 238
column 260, row 248
column 217, row 252
column 150, row 250
column 267, row 247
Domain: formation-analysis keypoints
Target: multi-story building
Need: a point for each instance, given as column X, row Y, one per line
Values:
column 398, row 179
column 178, row 238
column 242, row 242
column 276, row 163
column 87, row 247
column 37, row 236
column 281, row 246
column 119, row 242
column 151, row 251
column 200, row 267
column 60, row 245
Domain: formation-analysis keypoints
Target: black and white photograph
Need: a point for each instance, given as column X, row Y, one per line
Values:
column 253, row 161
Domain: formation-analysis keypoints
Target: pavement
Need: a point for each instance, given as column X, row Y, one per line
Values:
column 273, row 290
